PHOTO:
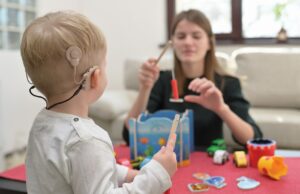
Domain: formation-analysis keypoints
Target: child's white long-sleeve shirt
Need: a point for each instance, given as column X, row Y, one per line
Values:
column 72, row 155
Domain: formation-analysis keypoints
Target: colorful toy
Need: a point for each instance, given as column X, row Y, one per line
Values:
column 215, row 181
column 145, row 161
column 201, row 175
column 124, row 162
column 240, row 159
column 258, row 148
column 221, row 157
column 246, row 183
column 175, row 97
column 217, row 144
column 137, row 162
column 151, row 131
column 198, row 187
column 272, row 166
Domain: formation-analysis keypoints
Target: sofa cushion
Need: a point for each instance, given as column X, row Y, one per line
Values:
column 271, row 76
column 112, row 104
column 117, row 126
column 281, row 125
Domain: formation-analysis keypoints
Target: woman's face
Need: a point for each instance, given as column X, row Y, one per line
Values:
column 190, row 43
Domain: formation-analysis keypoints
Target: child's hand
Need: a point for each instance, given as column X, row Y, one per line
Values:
column 166, row 156
column 130, row 175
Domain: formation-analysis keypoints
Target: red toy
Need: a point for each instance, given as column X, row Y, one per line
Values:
column 258, row 148
column 175, row 96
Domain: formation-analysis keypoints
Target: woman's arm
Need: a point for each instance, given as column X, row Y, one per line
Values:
column 148, row 75
column 241, row 130
column 239, row 106
column 234, row 112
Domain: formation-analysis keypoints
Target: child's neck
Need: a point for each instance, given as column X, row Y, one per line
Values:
column 81, row 112
column 75, row 106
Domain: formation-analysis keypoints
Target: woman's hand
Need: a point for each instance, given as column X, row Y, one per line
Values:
column 209, row 96
column 148, row 74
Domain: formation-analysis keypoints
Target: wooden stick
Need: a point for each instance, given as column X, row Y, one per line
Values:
column 163, row 51
column 173, row 131
column 181, row 145
column 134, row 139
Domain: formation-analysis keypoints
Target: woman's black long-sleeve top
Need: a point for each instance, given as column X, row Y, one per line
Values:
column 207, row 124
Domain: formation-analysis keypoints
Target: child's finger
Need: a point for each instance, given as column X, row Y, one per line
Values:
column 171, row 142
column 163, row 149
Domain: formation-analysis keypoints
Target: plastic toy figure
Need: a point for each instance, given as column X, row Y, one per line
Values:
column 239, row 159
column 272, row 166
column 124, row 162
column 221, row 157
column 217, row 144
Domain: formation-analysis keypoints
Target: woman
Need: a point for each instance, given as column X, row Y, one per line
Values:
column 214, row 96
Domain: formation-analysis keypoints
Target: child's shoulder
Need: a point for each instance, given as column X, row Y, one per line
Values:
column 68, row 129
column 86, row 129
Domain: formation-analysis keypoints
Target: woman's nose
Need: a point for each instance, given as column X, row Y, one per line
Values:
column 188, row 40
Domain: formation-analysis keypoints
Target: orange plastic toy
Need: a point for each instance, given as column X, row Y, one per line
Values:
column 272, row 166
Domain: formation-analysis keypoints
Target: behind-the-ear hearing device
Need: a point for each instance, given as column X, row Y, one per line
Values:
column 73, row 55
column 87, row 77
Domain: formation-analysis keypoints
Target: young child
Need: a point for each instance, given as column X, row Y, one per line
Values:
column 64, row 56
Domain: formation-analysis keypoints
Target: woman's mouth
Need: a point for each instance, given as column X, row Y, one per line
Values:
column 188, row 53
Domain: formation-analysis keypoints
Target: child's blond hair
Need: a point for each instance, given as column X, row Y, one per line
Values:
column 44, row 45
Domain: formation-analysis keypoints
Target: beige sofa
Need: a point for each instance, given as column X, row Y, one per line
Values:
column 271, row 82
column 269, row 79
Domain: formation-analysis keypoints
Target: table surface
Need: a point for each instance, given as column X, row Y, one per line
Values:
column 200, row 162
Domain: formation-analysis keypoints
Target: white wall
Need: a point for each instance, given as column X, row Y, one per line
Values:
column 133, row 29
column 17, row 106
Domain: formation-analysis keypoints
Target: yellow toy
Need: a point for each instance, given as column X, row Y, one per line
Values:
column 240, row 159
column 272, row 166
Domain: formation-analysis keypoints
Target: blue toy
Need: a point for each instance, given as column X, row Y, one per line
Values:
column 151, row 131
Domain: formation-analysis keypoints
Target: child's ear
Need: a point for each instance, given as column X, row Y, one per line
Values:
column 95, row 78
column 87, row 78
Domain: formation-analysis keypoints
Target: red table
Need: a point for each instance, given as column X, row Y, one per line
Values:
column 200, row 162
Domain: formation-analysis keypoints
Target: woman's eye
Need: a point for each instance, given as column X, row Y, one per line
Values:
column 180, row 37
column 197, row 36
